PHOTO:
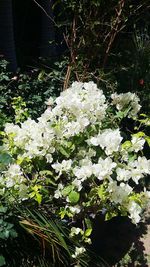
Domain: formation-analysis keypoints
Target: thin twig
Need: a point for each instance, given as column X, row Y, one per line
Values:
column 115, row 29
column 42, row 8
column 67, row 77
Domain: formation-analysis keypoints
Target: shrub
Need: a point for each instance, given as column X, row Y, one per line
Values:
column 33, row 86
column 80, row 160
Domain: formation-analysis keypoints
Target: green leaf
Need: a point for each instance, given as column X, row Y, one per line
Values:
column 126, row 145
column 46, row 172
column 38, row 198
column 13, row 233
column 64, row 152
column 3, row 209
column 132, row 157
column 36, row 188
column 88, row 223
column 32, row 194
column 88, row 232
column 67, row 190
column 148, row 140
column 110, row 214
column 101, row 192
column 74, row 197
column 41, row 75
column 143, row 115
column 2, row 261
column 5, row 159
column 139, row 134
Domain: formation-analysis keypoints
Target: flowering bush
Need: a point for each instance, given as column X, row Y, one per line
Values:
column 78, row 158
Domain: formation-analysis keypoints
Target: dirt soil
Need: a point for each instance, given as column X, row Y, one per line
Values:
column 146, row 239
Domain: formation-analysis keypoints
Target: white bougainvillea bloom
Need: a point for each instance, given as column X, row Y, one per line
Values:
column 13, row 175
column 134, row 211
column 109, row 140
column 103, row 169
column 119, row 193
column 63, row 166
column 137, row 143
column 11, row 128
column 50, row 102
column 58, row 192
column 126, row 100
column 139, row 168
column 74, row 209
column 75, row 231
column 78, row 184
column 123, row 174
column 84, row 102
column 85, row 171
column 78, row 252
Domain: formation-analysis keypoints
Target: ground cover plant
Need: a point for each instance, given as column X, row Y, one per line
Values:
column 33, row 87
column 79, row 160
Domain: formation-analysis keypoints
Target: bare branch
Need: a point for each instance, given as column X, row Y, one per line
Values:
column 45, row 12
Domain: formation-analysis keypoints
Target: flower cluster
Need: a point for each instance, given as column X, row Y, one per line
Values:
column 127, row 101
column 78, row 151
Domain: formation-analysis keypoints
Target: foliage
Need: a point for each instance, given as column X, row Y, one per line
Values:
column 2, row 260
column 53, row 236
column 132, row 66
column 33, row 88
column 101, row 40
column 80, row 160
column 7, row 231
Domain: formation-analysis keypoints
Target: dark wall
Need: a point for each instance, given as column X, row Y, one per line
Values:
column 7, row 44
column 26, row 32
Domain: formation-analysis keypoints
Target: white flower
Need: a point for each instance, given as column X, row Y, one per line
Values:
column 78, row 252
column 63, row 166
column 46, row 116
column 11, row 128
column 137, row 143
column 94, row 141
column 79, row 100
column 147, row 194
column 14, row 171
column 123, row 174
column 50, row 102
column 58, row 192
column 72, row 128
column 139, row 168
column 91, row 153
column 144, row 164
column 134, row 210
column 49, row 158
column 14, row 176
column 77, row 183
column 119, row 193
column 75, row 231
column 136, row 175
column 85, row 171
column 125, row 101
column 103, row 169
column 74, row 209
column 109, row 140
